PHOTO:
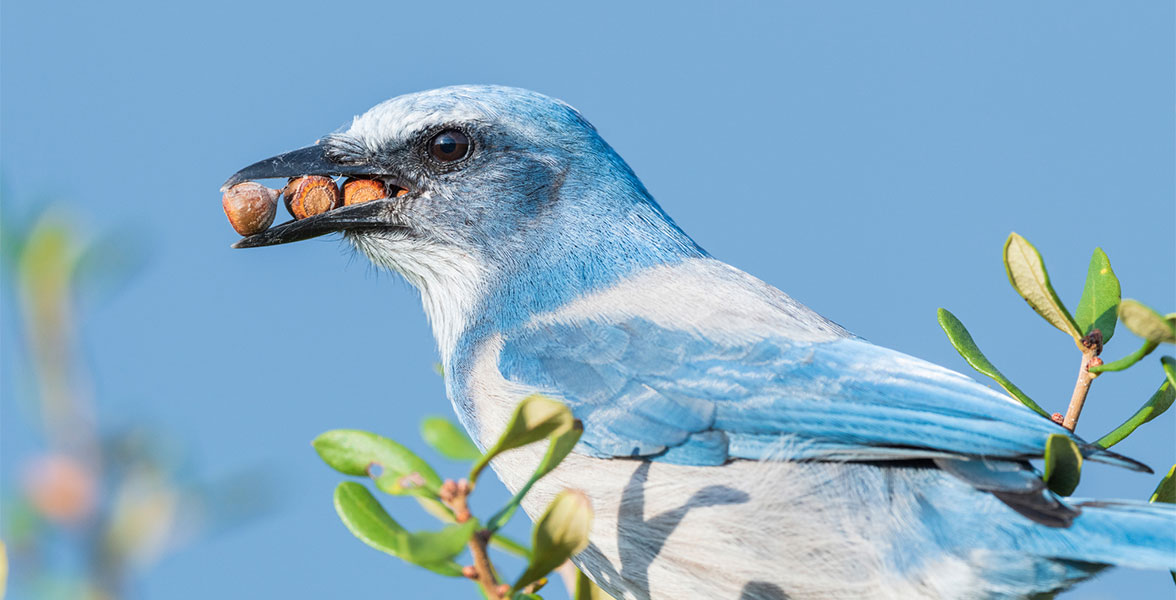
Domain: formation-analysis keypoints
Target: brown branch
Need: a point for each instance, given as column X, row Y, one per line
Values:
column 455, row 494
column 483, row 568
column 1092, row 347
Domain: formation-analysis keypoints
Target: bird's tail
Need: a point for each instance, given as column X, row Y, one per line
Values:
column 1116, row 533
column 1124, row 533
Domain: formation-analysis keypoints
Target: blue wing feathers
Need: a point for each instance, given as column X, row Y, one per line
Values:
column 647, row 390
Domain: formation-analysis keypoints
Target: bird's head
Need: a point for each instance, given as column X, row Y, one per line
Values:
column 507, row 191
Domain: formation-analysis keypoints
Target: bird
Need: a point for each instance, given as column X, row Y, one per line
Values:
column 736, row 444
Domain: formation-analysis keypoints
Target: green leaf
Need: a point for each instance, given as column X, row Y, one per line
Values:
column 395, row 469
column 1027, row 273
column 586, row 590
column 449, row 439
column 959, row 337
column 436, row 508
column 559, row 533
column 557, row 450
column 1154, row 407
column 509, row 545
column 1166, row 490
column 535, row 418
column 1063, row 464
column 1169, row 365
column 1147, row 323
column 368, row 521
column 1100, row 298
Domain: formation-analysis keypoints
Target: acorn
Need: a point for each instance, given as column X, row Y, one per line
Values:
column 250, row 207
column 358, row 191
column 311, row 195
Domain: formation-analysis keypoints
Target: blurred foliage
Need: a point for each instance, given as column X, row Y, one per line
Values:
column 1100, row 308
column 559, row 533
column 93, row 509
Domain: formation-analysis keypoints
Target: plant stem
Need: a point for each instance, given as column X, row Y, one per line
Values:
column 485, row 571
column 455, row 495
column 1091, row 348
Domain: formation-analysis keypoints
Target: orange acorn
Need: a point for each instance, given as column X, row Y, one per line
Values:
column 311, row 195
column 358, row 191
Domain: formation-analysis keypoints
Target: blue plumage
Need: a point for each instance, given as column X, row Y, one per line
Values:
column 736, row 444
column 838, row 399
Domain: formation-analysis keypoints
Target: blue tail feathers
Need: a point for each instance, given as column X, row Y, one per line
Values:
column 1124, row 533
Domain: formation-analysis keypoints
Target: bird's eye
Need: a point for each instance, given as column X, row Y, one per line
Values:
column 449, row 146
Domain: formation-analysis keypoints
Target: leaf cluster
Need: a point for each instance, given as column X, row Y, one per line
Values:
column 1091, row 326
column 559, row 533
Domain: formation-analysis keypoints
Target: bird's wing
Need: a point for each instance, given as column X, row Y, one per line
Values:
column 644, row 389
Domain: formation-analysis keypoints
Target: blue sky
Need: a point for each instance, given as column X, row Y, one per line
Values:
column 868, row 158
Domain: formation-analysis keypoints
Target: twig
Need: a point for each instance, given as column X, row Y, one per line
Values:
column 482, row 566
column 455, row 494
column 1092, row 347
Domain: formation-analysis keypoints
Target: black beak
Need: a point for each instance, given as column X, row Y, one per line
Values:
column 311, row 160
column 378, row 214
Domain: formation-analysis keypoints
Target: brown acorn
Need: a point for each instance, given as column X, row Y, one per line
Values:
column 311, row 195
column 358, row 191
column 250, row 207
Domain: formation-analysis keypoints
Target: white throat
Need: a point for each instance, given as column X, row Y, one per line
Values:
column 450, row 282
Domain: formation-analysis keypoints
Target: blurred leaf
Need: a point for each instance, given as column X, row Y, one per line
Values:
column 47, row 261
column 1063, row 464
column 430, row 547
column 559, row 533
column 528, row 597
column 557, row 450
column 23, row 524
column 3, row 569
column 1100, row 298
column 586, row 590
column 142, row 518
column 535, row 418
column 436, row 508
column 12, row 237
column 367, row 520
column 959, row 337
column 1027, row 273
column 1166, row 490
column 509, row 545
column 449, row 439
column 1147, row 323
column 400, row 472
column 1154, row 407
